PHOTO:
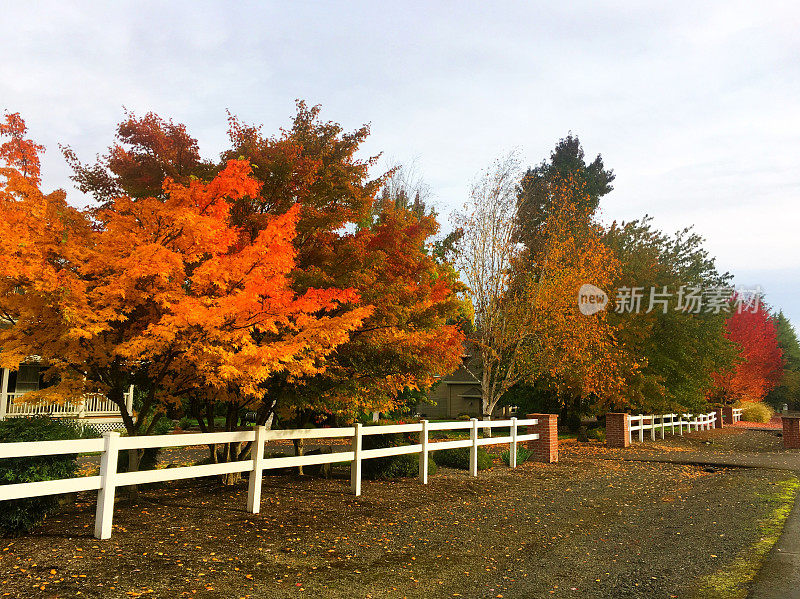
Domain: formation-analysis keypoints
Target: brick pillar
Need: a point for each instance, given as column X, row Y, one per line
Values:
column 727, row 414
column 719, row 413
column 545, row 449
column 617, row 430
column 791, row 432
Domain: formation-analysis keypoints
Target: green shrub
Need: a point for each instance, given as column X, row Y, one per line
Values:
column 185, row 423
column 401, row 466
column 396, row 466
column 19, row 516
column 755, row 411
column 523, row 453
column 459, row 458
column 597, row 433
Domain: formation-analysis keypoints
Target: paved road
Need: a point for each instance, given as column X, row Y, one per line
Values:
column 779, row 577
column 775, row 461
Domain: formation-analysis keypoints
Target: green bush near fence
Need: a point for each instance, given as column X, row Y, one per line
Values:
column 523, row 453
column 459, row 458
column 396, row 466
column 597, row 434
column 19, row 516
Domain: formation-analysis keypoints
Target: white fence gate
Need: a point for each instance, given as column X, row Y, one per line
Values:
column 112, row 443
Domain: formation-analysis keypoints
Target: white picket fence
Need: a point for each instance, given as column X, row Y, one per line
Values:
column 659, row 423
column 112, row 443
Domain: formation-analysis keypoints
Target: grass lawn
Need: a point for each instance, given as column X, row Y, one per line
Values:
column 585, row 527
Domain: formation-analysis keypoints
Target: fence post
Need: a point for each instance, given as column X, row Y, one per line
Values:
column 672, row 422
column 512, row 449
column 108, row 475
column 641, row 428
column 662, row 426
column 618, row 429
column 254, row 484
column 652, row 427
column 473, row 450
column 727, row 414
column 791, row 431
column 355, row 465
column 545, row 448
column 423, row 454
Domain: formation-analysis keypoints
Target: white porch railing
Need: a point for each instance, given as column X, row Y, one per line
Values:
column 93, row 404
column 112, row 443
column 661, row 422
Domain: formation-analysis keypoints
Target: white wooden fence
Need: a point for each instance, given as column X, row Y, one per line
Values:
column 112, row 443
column 737, row 414
column 661, row 422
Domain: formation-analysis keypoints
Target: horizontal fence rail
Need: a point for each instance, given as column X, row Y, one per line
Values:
column 659, row 423
column 112, row 443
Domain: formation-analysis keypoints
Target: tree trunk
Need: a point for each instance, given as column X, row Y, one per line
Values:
column 298, row 451
column 134, row 456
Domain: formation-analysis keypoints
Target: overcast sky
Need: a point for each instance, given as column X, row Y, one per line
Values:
column 695, row 105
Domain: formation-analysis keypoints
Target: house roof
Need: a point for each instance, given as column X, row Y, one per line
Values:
column 462, row 375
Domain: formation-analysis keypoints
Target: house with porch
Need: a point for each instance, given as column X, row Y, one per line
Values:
column 93, row 409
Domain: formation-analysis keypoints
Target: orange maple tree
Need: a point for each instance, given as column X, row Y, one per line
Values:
column 410, row 336
column 165, row 290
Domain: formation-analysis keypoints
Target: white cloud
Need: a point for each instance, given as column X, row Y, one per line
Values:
column 694, row 105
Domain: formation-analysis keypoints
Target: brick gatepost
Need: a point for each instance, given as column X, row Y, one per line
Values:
column 545, row 449
column 617, row 430
column 727, row 414
column 720, row 414
column 791, row 432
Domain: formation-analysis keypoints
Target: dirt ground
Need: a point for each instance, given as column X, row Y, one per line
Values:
column 585, row 527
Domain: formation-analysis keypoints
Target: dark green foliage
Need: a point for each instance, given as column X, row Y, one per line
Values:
column 597, row 434
column 787, row 390
column 399, row 466
column 523, row 453
column 588, row 182
column 680, row 350
column 459, row 458
column 22, row 515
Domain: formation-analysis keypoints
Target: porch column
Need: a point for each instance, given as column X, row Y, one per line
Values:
column 4, row 394
column 129, row 401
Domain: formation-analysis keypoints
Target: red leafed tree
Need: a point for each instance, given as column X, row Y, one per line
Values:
column 760, row 365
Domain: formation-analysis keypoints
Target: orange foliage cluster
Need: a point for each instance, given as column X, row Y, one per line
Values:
column 236, row 281
column 578, row 354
